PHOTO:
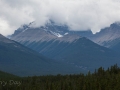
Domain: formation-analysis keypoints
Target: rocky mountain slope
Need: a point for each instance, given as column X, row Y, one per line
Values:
column 68, row 48
column 109, row 37
column 22, row 61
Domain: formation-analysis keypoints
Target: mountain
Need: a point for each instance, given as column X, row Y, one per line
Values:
column 51, row 28
column 109, row 37
column 70, row 48
column 5, row 75
column 22, row 61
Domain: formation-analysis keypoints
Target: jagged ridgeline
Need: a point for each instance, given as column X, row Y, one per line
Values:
column 61, row 44
column 109, row 37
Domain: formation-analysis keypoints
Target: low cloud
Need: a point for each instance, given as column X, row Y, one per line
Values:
column 77, row 14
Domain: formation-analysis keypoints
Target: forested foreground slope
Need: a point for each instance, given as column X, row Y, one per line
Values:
column 99, row 80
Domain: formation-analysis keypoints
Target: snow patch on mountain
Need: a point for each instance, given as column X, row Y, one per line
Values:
column 56, row 34
column 66, row 33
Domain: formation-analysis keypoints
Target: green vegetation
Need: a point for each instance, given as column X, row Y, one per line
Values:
column 99, row 80
column 4, row 75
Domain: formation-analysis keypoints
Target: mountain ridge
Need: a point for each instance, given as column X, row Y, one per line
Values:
column 108, row 37
column 22, row 61
column 79, row 51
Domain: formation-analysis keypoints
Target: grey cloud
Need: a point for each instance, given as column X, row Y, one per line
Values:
column 77, row 14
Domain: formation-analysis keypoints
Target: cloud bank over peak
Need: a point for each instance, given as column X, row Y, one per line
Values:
column 77, row 14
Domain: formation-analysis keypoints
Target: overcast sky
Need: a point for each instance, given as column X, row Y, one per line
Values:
column 77, row 14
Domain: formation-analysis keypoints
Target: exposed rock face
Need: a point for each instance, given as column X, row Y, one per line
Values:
column 70, row 47
column 46, row 33
column 109, row 37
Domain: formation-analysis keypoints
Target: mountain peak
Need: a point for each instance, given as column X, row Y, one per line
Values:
column 108, row 37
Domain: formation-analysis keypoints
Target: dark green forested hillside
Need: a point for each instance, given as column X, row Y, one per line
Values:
column 5, row 75
column 99, row 80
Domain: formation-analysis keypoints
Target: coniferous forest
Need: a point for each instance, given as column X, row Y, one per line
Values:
column 99, row 80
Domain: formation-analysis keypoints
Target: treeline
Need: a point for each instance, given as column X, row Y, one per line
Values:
column 99, row 80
